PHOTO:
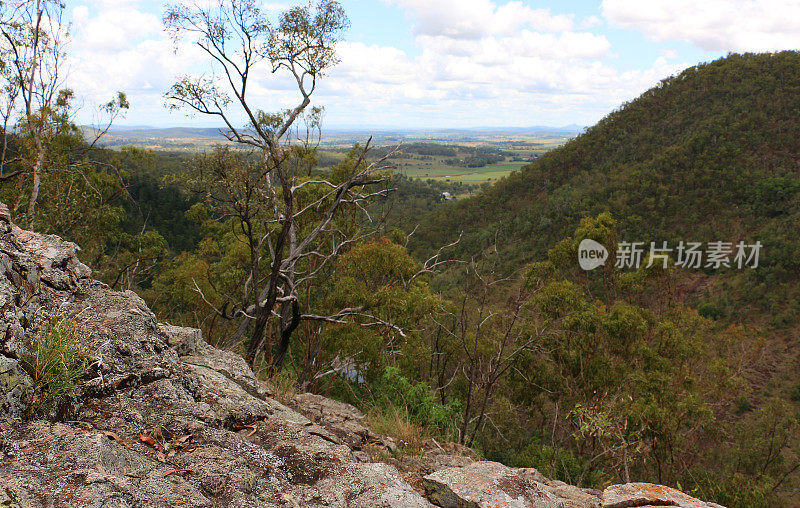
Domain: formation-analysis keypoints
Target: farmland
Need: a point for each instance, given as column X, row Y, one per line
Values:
column 466, row 157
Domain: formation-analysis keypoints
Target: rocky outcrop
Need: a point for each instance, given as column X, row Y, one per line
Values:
column 164, row 419
column 647, row 494
column 490, row 484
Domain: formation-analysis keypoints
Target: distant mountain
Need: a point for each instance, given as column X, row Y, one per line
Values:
column 168, row 132
column 123, row 128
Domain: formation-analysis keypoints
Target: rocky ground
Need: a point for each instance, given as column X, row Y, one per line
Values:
column 164, row 419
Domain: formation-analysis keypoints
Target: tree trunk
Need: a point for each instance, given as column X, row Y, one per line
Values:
column 288, row 326
column 311, row 361
column 37, row 178
column 265, row 312
column 257, row 338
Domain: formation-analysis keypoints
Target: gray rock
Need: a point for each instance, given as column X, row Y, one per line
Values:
column 342, row 420
column 228, row 364
column 16, row 388
column 55, row 260
column 648, row 494
column 186, row 341
column 487, row 484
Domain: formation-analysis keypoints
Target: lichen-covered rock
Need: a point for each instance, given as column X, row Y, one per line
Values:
column 226, row 363
column 185, row 341
column 52, row 260
column 64, row 465
column 15, row 389
column 487, row 484
column 161, row 418
column 343, row 420
column 648, row 494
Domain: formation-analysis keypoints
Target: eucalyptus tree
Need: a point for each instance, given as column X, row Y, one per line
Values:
column 36, row 102
column 33, row 41
column 287, row 214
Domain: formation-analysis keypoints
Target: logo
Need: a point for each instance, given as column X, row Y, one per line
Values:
column 591, row 254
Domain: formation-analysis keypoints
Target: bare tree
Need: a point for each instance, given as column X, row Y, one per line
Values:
column 286, row 215
column 491, row 340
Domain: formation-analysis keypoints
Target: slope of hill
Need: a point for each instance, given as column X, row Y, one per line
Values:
column 711, row 154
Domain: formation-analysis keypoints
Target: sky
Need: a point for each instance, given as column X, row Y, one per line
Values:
column 428, row 64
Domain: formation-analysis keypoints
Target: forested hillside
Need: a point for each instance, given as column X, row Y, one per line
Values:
column 466, row 320
column 710, row 154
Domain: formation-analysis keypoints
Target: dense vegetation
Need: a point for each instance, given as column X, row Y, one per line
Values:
column 708, row 155
column 496, row 340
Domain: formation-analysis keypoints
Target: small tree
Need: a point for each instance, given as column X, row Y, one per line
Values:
column 288, row 217
column 33, row 40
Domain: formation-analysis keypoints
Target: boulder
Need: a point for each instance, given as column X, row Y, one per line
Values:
column 648, row 494
column 487, row 484
column 16, row 388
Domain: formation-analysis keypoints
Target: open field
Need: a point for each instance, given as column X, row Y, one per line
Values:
column 438, row 170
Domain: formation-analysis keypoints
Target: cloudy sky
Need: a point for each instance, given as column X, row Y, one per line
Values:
column 446, row 63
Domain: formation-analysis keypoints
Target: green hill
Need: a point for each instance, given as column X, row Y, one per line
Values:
column 711, row 154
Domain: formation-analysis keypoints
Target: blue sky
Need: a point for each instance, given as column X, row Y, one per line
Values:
column 446, row 63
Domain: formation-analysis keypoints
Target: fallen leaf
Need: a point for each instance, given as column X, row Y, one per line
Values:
column 173, row 471
column 160, row 457
column 111, row 435
column 146, row 438
column 253, row 426
column 183, row 439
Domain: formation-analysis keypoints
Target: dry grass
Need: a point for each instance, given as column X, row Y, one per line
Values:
column 284, row 385
column 397, row 424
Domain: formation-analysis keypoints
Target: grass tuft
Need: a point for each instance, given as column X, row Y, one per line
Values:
column 56, row 360
column 396, row 423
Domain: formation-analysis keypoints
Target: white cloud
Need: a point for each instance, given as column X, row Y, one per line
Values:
column 113, row 27
column 495, row 80
column 484, row 63
column 470, row 19
column 713, row 25
column 118, row 47
column 590, row 22
column 477, row 62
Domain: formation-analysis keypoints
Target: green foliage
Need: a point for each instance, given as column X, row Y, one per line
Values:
column 418, row 400
column 795, row 393
column 58, row 357
column 706, row 155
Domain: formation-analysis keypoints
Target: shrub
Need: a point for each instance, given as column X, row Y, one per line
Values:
column 56, row 360
column 710, row 310
column 743, row 405
column 417, row 400
column 795, row 393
